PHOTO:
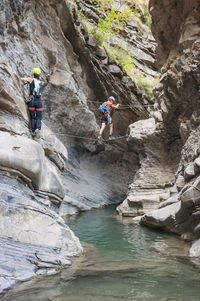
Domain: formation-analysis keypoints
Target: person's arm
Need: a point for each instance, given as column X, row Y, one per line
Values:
column 27, row 79
column 116, row 106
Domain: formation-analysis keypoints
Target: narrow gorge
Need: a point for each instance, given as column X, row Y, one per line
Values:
column 150, row 171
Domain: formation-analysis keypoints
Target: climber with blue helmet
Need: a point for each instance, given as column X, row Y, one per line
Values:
column 34, row 101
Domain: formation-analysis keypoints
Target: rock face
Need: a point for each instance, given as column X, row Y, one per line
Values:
column 36, row 187
column 89, row 77
column 155, row 176
column 176, row 128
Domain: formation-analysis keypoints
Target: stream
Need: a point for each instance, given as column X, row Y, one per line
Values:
column 124, row 261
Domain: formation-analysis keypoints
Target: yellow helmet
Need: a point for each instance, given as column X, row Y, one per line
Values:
column 36, row 71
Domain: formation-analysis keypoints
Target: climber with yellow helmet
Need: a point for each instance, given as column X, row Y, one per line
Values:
column 34, row 100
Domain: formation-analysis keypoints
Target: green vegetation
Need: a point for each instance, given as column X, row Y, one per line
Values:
column 114, row 16
column 126, row 60
column 121, row 57
column 92, row 30
column 112, row 21
column 97, row 36
column 147, row 17
column 145, row 83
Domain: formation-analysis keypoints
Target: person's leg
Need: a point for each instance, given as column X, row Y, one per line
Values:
column 39, row 110
column 32, row 113
column 33, row 121
column 102, row 128
column 38, row 119
column 103, row 125
column 111, row 129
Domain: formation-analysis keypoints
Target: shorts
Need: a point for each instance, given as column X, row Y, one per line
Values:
column 106, row 119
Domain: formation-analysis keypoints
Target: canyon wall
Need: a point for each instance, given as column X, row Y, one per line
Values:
column 60, row 173
column 168, row 143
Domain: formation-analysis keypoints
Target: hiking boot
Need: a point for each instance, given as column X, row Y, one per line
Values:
column 110, row 137
column 33, row 134
column 37, row 133
column 100, row 139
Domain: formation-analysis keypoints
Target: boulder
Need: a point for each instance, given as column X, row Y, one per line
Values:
column 164, row 218
column 28, row 157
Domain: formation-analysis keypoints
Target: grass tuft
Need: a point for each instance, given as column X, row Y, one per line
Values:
column 145, row 83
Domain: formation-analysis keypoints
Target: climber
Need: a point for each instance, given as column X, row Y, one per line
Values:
column 105, row 109
column 34, row 101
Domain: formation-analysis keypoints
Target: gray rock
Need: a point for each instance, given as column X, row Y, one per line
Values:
column 189, row 172
column 197, row 163
column 91, row 42
column 105, row 61
column 180, row 182
column 152, row 180
column 173, row 189
column 164, row 218
column 14, row 154
column 115, row 70
column 171, row 200
column 100, row 52
column 195, row 249
column 137, row 219
column 191, row 195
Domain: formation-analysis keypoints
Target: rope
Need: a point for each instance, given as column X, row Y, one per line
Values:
column 73, row 136
column 120, row 105
column 87, row 138
column 192, row 186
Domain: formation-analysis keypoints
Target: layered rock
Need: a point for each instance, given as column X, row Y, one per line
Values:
column 31, row 191
column 155, row 175
column 176, row 114
column 35, row 185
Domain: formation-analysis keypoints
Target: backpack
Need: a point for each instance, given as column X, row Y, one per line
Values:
column 37, row 87
column 104, row 109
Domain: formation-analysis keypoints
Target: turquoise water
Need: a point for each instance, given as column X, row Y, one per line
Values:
column 127, row 262
column 130, row 264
